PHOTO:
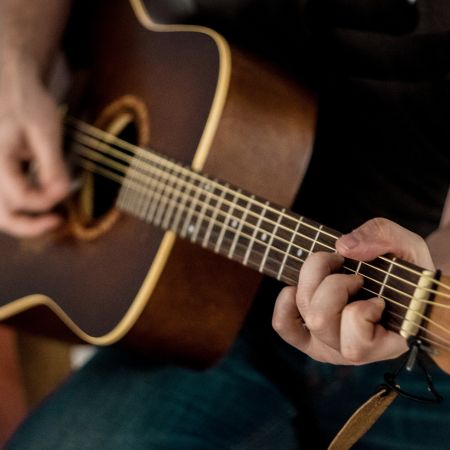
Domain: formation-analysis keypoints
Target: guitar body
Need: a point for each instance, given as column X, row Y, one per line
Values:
column 183, row 92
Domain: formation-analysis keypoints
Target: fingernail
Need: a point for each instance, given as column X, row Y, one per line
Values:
column 349, row 241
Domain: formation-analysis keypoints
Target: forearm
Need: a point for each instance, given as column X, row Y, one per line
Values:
column 439, row 244
column 29, row 34
column 439, row 240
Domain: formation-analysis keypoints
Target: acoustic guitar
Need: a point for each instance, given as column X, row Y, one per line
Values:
column 157, row 254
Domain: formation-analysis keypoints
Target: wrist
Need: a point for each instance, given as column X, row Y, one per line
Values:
column 17, row 66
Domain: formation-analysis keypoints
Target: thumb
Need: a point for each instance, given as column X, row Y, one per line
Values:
column 380, row 236
column 45, row 144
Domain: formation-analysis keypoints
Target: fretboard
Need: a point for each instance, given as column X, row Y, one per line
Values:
column 249, row 229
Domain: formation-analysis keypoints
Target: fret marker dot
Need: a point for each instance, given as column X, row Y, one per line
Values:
column 264, row 237
column 207, row 187
column 190, row 229
column 299, row 252
column 234, row 223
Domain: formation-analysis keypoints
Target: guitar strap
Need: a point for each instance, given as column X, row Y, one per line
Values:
column 363, row 418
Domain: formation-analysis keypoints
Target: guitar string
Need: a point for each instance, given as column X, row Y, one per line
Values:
column 422, row 316
column 120, row 143
column 114, row 152
column 91, row 167
column 376, row 281
column 396, row 328
column 118, row 166
column 442, row 340
column 104, row 172
column 323, row 232
column 195, row 175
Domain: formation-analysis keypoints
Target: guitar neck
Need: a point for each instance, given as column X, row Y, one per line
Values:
column 222, row 218
column 250, row 230
column 243, row 227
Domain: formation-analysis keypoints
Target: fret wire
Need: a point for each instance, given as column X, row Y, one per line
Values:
column 180, row 205
column 187, row 221
column 213, row 218
column 134, row 168
column 255, row 232
column 140, row 201
column 239, row 230
column 307, row 237
column 156, row 189
column 315, row 239
column 201, row 216
column 270, row 272
column 172, row 202
column 288, row 251
column 157, row 211
column 358, row 267
column 152, row 155
column 161, row 212
column 269, row 245
column 386, row 277
column 228, row 216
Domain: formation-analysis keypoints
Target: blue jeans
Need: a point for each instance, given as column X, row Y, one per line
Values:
column 119, row 402
column 249, row 401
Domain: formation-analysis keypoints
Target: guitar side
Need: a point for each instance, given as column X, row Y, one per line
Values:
column 219, row 111
column 435, row 333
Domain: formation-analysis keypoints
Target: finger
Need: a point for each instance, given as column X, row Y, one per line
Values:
column 23, row 226
column 45, row 142
column 380, row 236
column 323, row 317
column 363, row 339
column 287, row 321
column 314, row 270
column 17, row 191
column 14, row 185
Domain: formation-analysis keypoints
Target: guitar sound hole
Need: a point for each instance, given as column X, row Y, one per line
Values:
column 94, row 210
column 105, row 190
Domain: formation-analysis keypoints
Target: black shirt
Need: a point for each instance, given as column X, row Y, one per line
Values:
column 382, row 75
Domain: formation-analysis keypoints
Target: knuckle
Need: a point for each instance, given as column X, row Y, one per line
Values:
column 352, row 311
column 418, row 240
column 277, row 323
column 302, row 302
column 315, row 321
column 354, row 353
column 379, row 226
column 334, row 282
column 319, row 257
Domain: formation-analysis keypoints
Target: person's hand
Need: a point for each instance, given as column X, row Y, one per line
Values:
column 33, row 177
column 317, row 319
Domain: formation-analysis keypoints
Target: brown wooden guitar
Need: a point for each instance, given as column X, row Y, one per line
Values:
column 124, row 267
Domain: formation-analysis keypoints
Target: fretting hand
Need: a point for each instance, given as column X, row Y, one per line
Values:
column 317, row 319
